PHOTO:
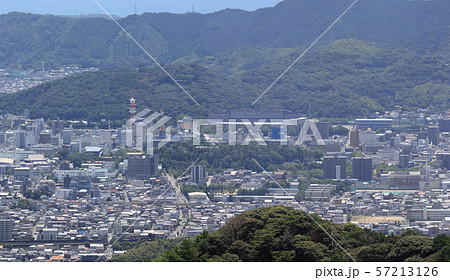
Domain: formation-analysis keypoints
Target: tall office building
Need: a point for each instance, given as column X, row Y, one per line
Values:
column 322, row 126
column 446, row 161
column 56, row 140
column 362, row 168
column 444, row 125
column 30, row 139
column 57, row 126
column 66, row 181
column 19, row 139
column 5, row 230
column 2, row 137
column 45, row 137
column 67, row 135
column 433, row 134
column 422, row 134
column 388, row 135
column 334, row 167
column 142, row 166
column 403, row 161
column 199, row 174
column 324, row 129
column 75, row 147
column 354, row 137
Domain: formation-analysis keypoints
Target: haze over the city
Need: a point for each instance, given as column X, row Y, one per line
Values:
column 124, row 8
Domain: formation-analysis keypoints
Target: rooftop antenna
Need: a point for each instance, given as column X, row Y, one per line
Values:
column 135, row 8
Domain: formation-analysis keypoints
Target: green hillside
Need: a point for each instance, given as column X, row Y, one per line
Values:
column 28, row 39
column 105, row 94
column 346, row 78
column 282, row 234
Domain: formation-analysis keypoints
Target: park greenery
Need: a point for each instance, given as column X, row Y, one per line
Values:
column 177, row 157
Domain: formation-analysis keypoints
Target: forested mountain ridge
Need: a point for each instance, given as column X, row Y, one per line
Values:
column 283, row 234
column 346, row 78
column 434, row 41
column 105, row 94
column 28, row 39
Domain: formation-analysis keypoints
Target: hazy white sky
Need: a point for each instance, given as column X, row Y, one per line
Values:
column 126, row 7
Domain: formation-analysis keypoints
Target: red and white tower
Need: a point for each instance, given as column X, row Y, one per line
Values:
column 132, row 106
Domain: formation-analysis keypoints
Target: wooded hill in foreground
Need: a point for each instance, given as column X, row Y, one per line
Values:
column 283, row 234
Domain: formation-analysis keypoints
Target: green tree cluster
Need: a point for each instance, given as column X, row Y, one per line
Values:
column 283, row 234
column 146, row 251
column 35, row 194
column 179, row 156
column 22, row 204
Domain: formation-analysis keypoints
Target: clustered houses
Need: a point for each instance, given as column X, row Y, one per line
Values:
column 396, row 167
column 65, row 229
column 14, row 81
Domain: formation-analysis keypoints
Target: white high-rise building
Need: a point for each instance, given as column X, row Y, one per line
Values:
column 19, row 139
column 67, row 135
column 199, row 174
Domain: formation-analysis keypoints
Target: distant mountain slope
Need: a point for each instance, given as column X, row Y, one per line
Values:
column 346, row 78
column 353, row 78
column 29, row 39
column 435, row 41
column 105, row 94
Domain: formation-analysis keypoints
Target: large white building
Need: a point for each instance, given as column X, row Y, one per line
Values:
column 48, row 234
